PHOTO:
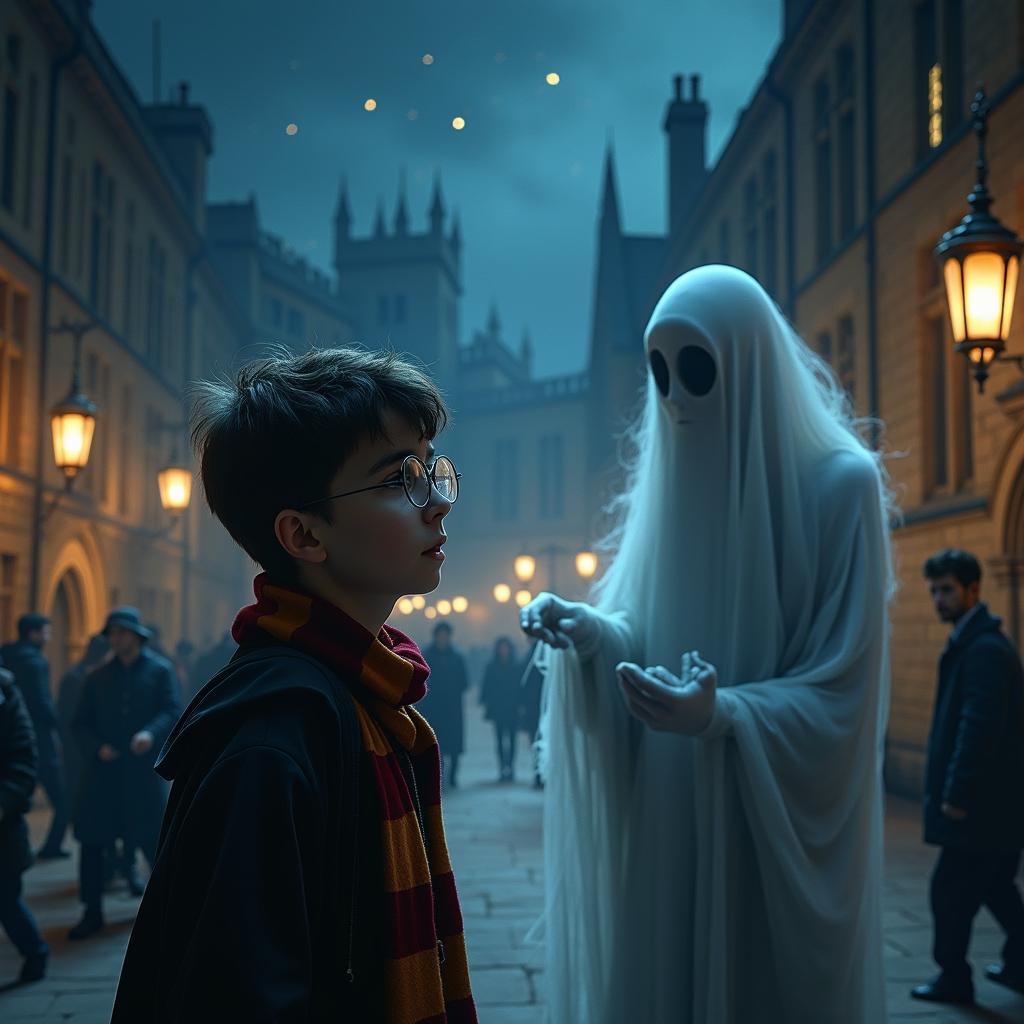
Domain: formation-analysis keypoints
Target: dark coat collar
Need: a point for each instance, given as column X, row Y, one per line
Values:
column 982, row 621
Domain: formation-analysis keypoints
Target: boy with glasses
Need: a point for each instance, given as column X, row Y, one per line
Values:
column 302, row 871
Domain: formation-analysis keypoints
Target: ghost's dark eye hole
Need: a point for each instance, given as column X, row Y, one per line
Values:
column 697, row 370
column 660, row 370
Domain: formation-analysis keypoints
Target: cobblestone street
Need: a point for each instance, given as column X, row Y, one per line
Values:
column 494, row 833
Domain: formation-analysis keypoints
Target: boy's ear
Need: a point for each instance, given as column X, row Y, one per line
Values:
column 294, row 534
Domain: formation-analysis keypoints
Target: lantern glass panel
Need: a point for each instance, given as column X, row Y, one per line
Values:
column 953, row 274
column 984, row 277
column 1012, row 270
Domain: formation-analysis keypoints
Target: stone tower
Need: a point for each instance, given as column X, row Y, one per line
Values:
column 403, row 287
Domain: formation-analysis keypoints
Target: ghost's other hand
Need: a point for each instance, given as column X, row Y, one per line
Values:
column 665, row 702
column 558, row 623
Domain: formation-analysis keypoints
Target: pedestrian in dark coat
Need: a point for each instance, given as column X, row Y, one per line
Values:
column 68, row 696
column 500, row 695
column 127, row 709
column 17, row 781
column 442, row 706
column 974, row 788
column 32, row 677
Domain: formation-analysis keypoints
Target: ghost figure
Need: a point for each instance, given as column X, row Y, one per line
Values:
column 713, row 724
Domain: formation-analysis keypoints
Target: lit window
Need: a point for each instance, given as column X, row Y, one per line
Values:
column 935, row 106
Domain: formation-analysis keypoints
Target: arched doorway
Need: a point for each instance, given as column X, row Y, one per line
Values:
column 70, row 630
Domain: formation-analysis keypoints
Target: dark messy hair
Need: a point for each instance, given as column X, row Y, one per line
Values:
column 953, row 562
column 274, row 435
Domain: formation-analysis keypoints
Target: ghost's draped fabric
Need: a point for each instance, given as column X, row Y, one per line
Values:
column 735, row 876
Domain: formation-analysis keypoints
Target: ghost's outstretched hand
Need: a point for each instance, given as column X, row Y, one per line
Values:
column 668, row 703
column 559, row 623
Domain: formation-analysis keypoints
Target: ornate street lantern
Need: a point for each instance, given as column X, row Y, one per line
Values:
column 980, row 261
column 73, row 423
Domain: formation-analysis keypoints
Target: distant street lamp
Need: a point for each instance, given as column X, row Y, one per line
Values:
column 523, row 598
column 980, row 261
column 502, row 593
column 419, row 602
column 586, row 564
column 175, row 482
column 459, row 605
column 444, row 607
column 525, row 566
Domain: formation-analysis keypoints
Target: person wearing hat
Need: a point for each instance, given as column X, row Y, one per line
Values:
column 25, row 659
column 127, row 708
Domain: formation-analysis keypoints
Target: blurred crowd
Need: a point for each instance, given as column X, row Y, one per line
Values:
column 92, row 751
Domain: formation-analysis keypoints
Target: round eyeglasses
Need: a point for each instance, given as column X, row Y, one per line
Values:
column 417, row 481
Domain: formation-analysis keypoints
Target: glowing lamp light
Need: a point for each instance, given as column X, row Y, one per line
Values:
column 370, row 104
column 428, row 59
column 586, row 564
column 444, row 607
column 458, row 123
column 553, row 78
column 525, row 566
column 405, row 606
column 292, row 129
column 73, row 423
column 523, row 598
column 419, row 602
column 175, row 488
column 459, row 605
column 980, row 260
column 502, row 593
column 430, row 613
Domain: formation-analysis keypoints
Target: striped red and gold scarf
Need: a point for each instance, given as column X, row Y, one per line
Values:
column 427, row 971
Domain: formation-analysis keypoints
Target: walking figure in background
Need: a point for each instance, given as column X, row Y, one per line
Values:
column 17, row 781
column 500, row 697
column 714, row 726
column 974, row 788
column 127, row 709
column 68, row 696
column 25, row 659
column 442, row 706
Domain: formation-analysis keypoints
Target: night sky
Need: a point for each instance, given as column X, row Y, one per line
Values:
column 524, row 173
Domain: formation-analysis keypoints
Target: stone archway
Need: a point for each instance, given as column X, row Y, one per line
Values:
column 66, row 616
column 73, row 600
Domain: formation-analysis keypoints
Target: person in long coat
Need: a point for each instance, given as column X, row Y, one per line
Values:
column 500, row 695
column 127, row 709
column 17, row 781
column 68, row 696
column 25, row 659
column 443, row 704
column 974, row 783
